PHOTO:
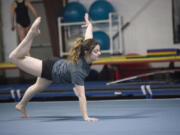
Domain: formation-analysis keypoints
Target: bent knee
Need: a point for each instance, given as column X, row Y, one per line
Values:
column 11, row 57
column 39, row 87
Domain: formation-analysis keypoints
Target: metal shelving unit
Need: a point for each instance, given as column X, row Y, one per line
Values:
column 114, row 20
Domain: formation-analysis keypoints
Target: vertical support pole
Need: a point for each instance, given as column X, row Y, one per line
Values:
column 121, row 35
column 60, row 37
column 110, row 33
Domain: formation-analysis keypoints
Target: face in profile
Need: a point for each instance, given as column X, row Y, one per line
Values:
column 96, row 52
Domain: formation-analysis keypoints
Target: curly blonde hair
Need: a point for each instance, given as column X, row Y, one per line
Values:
column 79, row 47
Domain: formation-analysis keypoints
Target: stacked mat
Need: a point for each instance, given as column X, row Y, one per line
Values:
column 95, row 90
column 163, row 52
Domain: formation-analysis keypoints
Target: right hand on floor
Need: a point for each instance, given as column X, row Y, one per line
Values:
column 91, row 119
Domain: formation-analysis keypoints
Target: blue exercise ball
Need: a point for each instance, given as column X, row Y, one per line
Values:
column 100, row 10
column 74, row 12
column 103, row 39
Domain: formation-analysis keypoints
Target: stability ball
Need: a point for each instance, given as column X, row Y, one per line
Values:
column 100, row 10
column 74, row 12
column 102, row 38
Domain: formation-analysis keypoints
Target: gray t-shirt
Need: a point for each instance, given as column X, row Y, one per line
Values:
column 65, row 72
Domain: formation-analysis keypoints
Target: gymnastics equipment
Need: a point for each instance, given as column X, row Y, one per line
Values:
column 100, row 10
column 102, row 38
column 144, row 75
column 113, row 25
column 74, row 12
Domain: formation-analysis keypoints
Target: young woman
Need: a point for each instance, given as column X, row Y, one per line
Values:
column 74, row 70
column 20, row 8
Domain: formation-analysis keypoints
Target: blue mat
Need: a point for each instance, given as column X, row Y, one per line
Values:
column 117, row 117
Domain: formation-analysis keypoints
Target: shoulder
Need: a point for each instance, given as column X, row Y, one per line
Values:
column 82, row 63
column 13, row 5
column 77, row 65
column 27, row 3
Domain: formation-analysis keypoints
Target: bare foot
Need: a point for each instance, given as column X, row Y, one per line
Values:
column 22, row 109
column 34, row 30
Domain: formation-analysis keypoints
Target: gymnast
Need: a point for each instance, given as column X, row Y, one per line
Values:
column 20, row 9
column 74, row 70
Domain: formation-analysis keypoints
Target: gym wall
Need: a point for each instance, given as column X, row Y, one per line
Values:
column 151, row 28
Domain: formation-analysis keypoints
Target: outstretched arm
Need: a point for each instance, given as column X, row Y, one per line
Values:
column 89, row 27
column 80, row 91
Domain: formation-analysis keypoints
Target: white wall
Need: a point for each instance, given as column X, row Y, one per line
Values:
column 9, row 37
column 152, row 28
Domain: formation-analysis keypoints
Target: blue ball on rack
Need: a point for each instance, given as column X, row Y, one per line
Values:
column 100, row 10
column 103, row 39
column 74, row 12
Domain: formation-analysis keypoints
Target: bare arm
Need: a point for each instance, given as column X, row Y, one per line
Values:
column 89, row 29
column 29, row 5
column 83, row 103
column 13, row 6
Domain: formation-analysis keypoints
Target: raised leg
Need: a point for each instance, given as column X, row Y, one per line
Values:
column 19, row 56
